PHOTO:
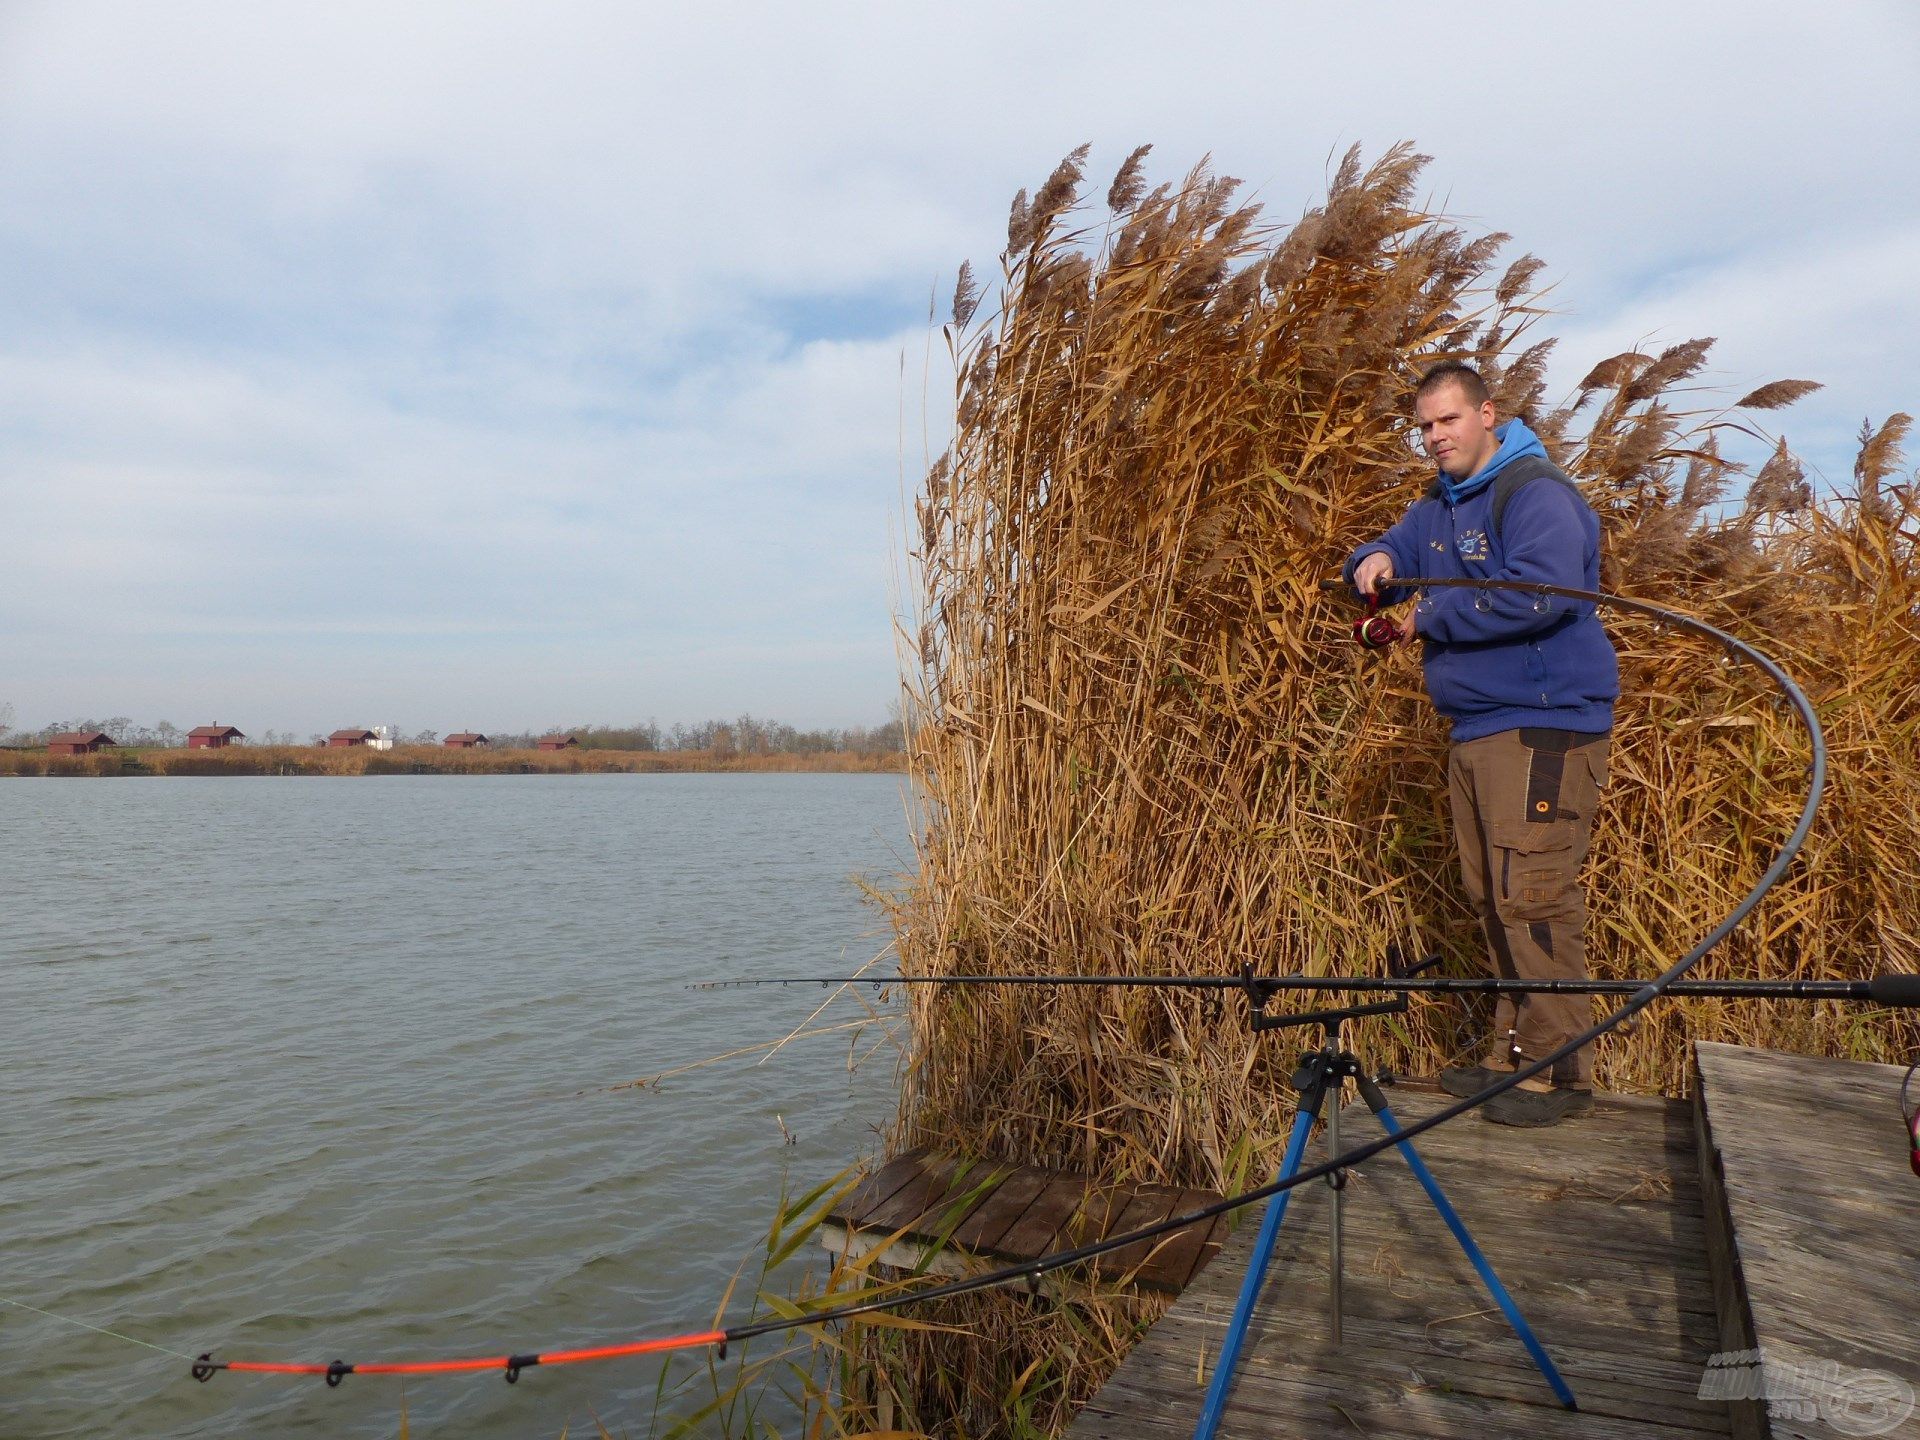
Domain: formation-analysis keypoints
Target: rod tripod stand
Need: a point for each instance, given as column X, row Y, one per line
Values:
column 1323, row 1074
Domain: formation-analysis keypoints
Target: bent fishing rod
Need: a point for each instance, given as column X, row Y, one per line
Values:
column 1887, row 990
column 1029, row 1273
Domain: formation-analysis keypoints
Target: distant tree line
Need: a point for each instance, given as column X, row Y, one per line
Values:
column 742, row 736
column 162, row 733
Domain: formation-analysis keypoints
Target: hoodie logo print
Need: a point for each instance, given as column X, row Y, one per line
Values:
column 1472, row 545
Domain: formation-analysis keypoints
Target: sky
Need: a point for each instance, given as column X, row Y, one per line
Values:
column 496, row 366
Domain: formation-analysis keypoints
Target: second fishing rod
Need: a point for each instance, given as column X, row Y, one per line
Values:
column 1889, row 990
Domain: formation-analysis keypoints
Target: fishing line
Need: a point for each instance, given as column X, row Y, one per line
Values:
column 97, row 1329
column 1030, row 1273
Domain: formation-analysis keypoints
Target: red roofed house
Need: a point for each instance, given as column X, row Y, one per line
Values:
column 212, row 737
column 559, row 742
column 465, row 740
column 348, row 737
column 77, row 742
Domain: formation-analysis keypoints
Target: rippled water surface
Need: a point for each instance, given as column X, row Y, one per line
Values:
column 314, row 1068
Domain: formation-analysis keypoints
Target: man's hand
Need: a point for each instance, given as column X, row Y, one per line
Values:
column 1370, row 572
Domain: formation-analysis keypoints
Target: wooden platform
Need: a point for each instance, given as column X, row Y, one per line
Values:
column 1817, row 1246
column 1596, row 1226
column 958, row 1218
column 1762, row 1240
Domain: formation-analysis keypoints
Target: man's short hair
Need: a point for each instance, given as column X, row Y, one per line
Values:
column 1455, row 372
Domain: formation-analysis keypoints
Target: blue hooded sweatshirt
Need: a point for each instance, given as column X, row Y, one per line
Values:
column 1500, row 659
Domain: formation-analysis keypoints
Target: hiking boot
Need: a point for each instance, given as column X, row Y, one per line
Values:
column 1533, row 1108
column 1469, row 1080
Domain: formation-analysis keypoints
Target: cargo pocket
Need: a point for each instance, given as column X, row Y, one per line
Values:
column 1595, row 755
column 1533, row 867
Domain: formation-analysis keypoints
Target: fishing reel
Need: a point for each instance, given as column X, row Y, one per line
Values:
column 1374, row 631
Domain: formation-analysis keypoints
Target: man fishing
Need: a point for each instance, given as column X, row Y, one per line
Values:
column 1528, row 682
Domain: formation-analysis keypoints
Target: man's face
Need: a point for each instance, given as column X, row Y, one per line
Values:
column 1457, row 435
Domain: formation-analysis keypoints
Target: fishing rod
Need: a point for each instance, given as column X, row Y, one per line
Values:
column 1029, row 1273
column 1888, row 990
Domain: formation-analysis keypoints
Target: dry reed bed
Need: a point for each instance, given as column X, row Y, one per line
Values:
column 1146, row 744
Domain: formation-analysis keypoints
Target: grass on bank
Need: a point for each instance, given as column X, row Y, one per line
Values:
column 433, row 760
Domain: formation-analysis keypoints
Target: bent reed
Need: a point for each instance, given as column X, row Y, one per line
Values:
column 1146, row 743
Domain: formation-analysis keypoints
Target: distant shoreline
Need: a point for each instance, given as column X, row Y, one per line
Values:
column 436, row 760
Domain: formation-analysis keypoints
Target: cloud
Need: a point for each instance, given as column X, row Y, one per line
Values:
column 296, row 512
column 410, row 356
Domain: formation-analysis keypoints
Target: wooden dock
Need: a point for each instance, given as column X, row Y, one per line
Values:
column 959, row 1218
column 1611, row 1242
column 1816, row 1241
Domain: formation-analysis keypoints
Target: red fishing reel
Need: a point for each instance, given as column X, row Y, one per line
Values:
column 1375, row 631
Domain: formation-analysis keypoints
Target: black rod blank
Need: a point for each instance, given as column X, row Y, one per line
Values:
column 1890, row 990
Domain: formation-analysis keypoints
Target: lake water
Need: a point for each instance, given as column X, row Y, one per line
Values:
column 305, row 1069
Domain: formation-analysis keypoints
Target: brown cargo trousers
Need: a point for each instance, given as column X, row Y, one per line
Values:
column 1523, row 804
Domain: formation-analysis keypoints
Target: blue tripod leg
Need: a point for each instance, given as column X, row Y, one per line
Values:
column 1378, row 1104
column 1222, row 1383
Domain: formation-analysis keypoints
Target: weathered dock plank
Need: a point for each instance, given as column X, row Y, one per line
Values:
column 1819, row 1222
column 881, row 1185
column 996, row 1214
column 1596, row 1226
column 983, row 1230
